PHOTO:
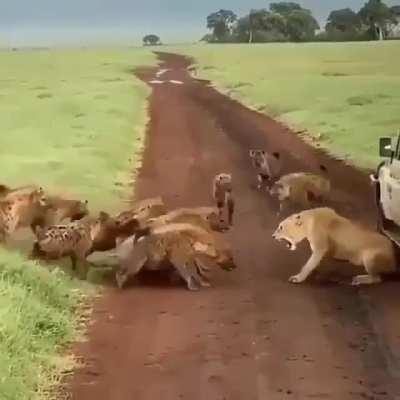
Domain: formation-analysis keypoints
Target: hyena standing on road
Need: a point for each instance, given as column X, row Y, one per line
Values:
column 223, row 196
column 268, row 167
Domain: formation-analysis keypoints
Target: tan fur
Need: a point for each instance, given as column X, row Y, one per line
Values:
column 331, row 235
column 205, row 217
column 222, row 194
column 20, row 210
column 8, row 191
column 301, row 189
column 106, row 231
column 192, row 250
column 140, row 212
column 62, row 209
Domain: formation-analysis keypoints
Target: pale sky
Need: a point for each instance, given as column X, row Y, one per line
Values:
column 52, row 22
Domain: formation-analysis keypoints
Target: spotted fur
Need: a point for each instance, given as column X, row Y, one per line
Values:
column 73, row 239
column 19, row 210
column 223, row 196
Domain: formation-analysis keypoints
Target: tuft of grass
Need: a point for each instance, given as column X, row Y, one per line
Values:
column 37, row 317
column 348, row 92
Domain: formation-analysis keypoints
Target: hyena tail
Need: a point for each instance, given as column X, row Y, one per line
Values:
column 231, row 206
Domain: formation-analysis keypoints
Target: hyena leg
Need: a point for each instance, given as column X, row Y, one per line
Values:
column 259, row 181
column 185, row 269
column 84, row 264
column 203, row 271
column 73, row 261
column 195, row 272
column 124, row 272
column 220, row 205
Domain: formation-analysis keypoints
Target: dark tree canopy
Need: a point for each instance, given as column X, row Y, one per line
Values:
column 376, row 13
column 344, row 20
column 221, row 23
column 151, row 40
column 301, row 25
column 289, row 21
column 284, row 7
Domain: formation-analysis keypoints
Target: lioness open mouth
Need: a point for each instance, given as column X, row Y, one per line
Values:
column 289, row 245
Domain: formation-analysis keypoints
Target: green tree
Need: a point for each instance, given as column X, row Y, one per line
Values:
column 378, row 16
column 221, row 23
column 151, row 40
column 284, row 7
column 301, row 25
column 344, row 20
column 256, row 22
column 260, row 26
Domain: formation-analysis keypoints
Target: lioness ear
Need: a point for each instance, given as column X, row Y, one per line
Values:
column 298, row 220
column 263, row 152
column 86, row 202
column 251, row 153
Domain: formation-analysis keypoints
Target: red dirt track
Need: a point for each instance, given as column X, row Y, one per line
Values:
column 252, row 335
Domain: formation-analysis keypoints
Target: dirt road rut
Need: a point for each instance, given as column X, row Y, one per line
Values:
column 253, row 335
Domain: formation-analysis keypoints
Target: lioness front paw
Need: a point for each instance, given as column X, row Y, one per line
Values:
column 296, row 279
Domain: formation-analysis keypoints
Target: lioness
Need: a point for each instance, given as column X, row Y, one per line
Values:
column 205, row 217
column 331, row 235
column 190, row 249
column 302, row 189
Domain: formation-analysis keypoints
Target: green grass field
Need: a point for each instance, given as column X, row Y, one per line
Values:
column 347, row 92
column 72, row 121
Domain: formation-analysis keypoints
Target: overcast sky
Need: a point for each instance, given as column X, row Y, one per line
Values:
column 46, row 22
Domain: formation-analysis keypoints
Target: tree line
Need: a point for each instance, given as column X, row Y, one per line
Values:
column 290, row 22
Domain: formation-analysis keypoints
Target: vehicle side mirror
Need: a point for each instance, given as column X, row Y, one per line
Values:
column 385, row 147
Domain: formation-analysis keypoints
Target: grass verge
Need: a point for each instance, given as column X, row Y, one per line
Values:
column 346, row 95
column 37, row 317
column 72, row 121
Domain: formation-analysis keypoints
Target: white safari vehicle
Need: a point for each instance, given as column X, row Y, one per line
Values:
column 387, row 188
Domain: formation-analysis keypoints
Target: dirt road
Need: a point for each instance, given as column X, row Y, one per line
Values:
column 253, row 335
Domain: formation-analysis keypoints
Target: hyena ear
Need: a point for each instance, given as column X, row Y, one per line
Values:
column 86, row 202
column 251, row 153
column 263, row 152
column 276, row 154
